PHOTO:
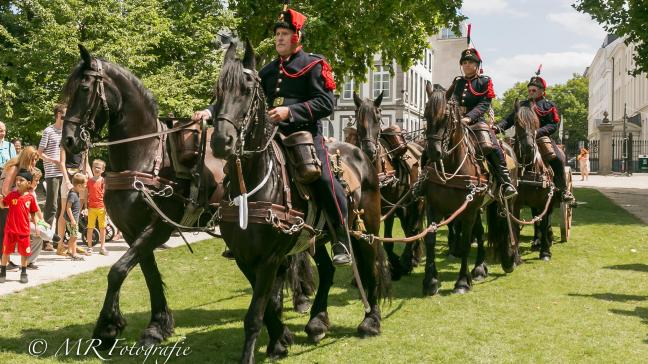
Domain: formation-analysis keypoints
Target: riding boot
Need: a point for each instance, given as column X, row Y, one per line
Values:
column 560, row 181
column 498, row 167
column 340, row 249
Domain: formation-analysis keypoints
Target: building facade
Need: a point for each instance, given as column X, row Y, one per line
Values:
column 404, row 95
column 613, row 92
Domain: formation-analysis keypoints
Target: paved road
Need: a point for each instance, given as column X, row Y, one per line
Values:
column 631, row 193
column 54, row 267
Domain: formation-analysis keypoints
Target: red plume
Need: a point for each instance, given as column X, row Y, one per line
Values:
column 468, row 37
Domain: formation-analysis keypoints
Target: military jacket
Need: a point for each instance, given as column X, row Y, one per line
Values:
column 474, row 94
column 304, row 83
column 547, row 114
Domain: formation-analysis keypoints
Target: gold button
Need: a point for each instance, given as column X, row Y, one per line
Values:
column 279, row 80
column 277, row 89
column 280, row 72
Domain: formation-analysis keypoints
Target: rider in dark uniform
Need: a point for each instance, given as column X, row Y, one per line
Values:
column 547, row 113
column 299, row 92
column 474, row 92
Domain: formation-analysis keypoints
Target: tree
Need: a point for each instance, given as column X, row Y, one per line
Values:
column 170, row 45
column 506, row 104
column 625, row 18
column 350, row 33
column 572, row 100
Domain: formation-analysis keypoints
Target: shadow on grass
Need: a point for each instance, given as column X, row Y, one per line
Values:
column 638, row 267
column 213, row 336
column 613, row 297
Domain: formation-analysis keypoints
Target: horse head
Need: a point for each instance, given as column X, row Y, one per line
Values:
column 368, row 123
column 240, row 104
column 526, row 125
column 92, row 97
column 436, row 130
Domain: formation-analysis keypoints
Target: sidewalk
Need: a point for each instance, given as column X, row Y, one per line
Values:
column 54, row 267
column 631, row 193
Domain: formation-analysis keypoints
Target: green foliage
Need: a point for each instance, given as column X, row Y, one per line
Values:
column 625, row 18
column 170, row 45
column 570, row 97
column 174, row 45
column 350, row 33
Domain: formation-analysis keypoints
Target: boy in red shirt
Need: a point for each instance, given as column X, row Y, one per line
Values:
column 96, row 208
column 21, row 205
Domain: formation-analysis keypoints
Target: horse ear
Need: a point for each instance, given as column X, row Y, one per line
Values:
column 379, row 99
column 230, row 55
column 356, row 99
column 429, row 89
column 85, row 55
column 249, row 60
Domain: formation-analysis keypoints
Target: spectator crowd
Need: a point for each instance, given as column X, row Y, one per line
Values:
column 74, row 190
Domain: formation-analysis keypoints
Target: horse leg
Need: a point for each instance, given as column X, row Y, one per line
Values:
column 464, row 238
column 535, row 243
column 319, row 323
column 430, row 281
column 161, row 325
column 480, row 271
column 545, row 236
column 410, row 226
column 111, row 322
column 280, row 335
column 262, row 283
column 365, row 259
column 394, row 261
column 301, row 281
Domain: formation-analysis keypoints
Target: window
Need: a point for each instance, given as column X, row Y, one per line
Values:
column 347, row 90
column 381, row 82
column 447, row 34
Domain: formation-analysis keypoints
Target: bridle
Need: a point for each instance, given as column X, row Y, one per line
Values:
column 242, row 129
column 368, row 139
column 98, row 98
column 448, row 130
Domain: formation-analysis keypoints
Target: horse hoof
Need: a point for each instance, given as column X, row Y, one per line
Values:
column 302, row 304
column 279, row 348
column 317, row 327
column 107, row 330
column 545, row 258
column 370, row 326
column 479, row 273
column 431, row 288
column 461, row 290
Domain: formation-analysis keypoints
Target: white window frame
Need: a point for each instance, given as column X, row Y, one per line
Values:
column 348, row 88
column 381, row 82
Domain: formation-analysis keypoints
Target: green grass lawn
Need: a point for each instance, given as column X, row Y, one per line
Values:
column 589, row 304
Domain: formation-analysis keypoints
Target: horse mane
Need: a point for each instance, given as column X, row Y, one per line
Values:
column 72, row 83
column 231, row 79
column 435, row 108
column 527, row 118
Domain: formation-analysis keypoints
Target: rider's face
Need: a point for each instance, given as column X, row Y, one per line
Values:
column 469, row 68
column 534, row 92
column 283, row 43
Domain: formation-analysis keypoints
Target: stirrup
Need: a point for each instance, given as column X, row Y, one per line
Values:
column 513, row 192
column 343, row 258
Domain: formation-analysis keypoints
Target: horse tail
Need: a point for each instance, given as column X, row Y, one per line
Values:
column 383, row 281
column 300, row 278
column 499, row 249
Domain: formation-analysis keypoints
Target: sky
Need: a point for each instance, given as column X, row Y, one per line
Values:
column 515, row 36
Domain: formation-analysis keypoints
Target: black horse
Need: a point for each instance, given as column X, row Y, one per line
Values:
column 532, row 191
column 244, row 135
column 411, row 211
column 459, row 188
column 101, row 93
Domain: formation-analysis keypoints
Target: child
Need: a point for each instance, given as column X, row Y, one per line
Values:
column 45, row 234
column 96, row 208
column 21, row 205
column 72, row 210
